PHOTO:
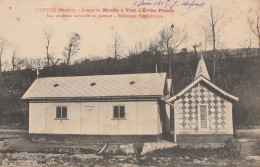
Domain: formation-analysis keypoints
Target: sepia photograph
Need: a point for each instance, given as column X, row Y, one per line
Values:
column 130, row 83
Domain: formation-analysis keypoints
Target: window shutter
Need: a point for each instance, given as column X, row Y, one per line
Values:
column 58, row 112
column 122, row 111
column 116, row 112
column 64, row 112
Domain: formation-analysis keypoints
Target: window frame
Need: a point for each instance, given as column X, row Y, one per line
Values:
column 119, row 113
column 199, row 119
column 61, row 113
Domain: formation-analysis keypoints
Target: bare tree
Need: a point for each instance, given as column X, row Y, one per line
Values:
column 20, row 63
column 115, row 47
column 38, row 62
column 244, row 44
column 54, row 61
column 206, row 34
column 154, row 46
column 171, row 39
column 48, row 35
column 221, row 51
column 30, row 63
column 14, row 59
column 255, row 30
column 140, row 46
column 213, row 21
column 72, row 48
column 3, row 44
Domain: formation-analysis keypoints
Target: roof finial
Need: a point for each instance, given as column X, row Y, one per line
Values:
column 201, row 69
column 200, row 49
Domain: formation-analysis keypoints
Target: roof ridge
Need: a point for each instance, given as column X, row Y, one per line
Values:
column 100, row 75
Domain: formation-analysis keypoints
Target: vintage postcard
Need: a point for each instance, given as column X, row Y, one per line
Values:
column 129, row 83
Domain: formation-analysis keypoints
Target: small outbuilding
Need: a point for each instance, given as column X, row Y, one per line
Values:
column 106, row 108
column 202, row 112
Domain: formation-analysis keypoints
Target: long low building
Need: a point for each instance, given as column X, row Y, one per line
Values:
column 120, row 108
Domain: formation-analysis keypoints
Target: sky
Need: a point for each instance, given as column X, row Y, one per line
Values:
column 23, row 23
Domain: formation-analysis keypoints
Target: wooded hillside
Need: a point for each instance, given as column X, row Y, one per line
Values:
column 238, row 75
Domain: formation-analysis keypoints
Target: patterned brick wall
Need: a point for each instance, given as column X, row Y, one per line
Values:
column 186, row 109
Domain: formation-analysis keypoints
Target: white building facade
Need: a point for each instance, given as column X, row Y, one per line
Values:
column 119, row 108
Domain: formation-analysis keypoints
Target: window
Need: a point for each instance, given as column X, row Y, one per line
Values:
column 61, row 112
column 203, row 117
column 119, row 112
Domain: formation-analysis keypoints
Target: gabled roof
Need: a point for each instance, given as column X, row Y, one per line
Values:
column 202, row 79
column 201, row 69
column 147, row 84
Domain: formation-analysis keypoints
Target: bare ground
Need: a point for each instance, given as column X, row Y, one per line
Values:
column 180, row 157
column 22, row 152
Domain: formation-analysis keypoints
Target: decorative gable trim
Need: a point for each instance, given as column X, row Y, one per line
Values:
column 199, row 79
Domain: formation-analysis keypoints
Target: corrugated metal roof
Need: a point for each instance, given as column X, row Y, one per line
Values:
column 146, row 84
